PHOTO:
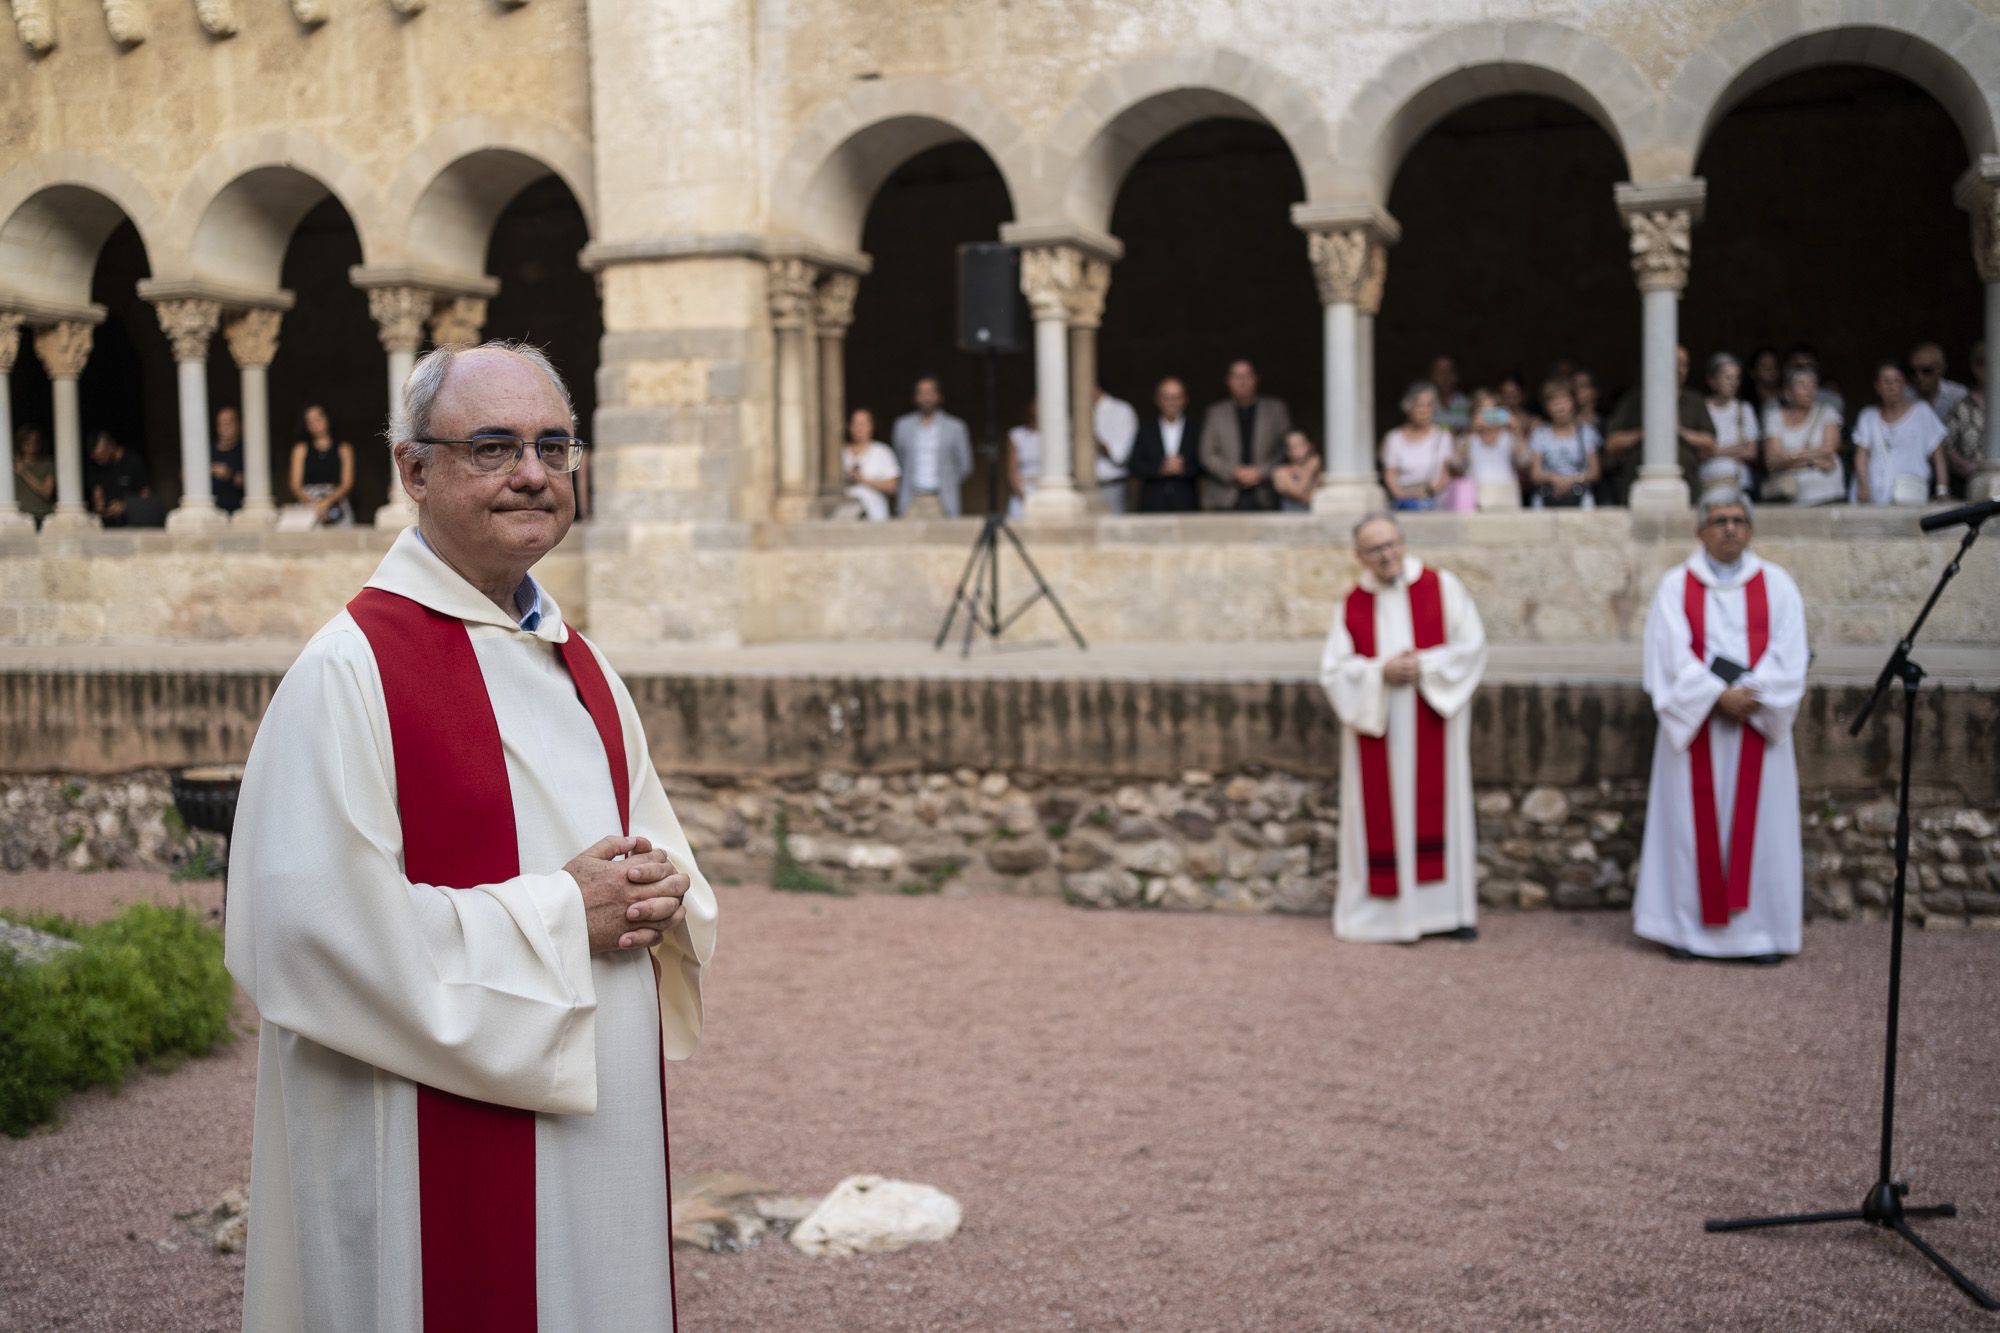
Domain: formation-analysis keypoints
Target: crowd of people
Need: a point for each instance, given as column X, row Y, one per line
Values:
column 1770, row 427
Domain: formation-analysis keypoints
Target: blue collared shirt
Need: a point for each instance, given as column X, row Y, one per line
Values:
column 529, row 603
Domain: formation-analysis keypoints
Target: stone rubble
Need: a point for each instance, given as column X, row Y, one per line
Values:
column 871, row 1215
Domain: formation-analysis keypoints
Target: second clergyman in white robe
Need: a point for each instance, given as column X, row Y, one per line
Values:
column 1367, row 705
column 1667, row 906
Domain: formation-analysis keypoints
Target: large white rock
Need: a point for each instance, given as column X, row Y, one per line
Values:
column 870, row 1215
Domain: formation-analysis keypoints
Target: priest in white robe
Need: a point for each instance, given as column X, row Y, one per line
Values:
column 468, row 918
column 1400, row 667
column 1720, row 875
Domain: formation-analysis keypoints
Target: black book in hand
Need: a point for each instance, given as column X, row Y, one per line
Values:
column 1727, row 668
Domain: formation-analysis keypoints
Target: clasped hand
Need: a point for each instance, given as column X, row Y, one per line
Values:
column 631, row 903
column 1402, row 669
column 1738, row 703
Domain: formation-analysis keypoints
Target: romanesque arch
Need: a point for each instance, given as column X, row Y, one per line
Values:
column 1935, row 45
column 461, row 178
column 56, row 212
column 234, row 219
column 823, row 188
column 1090, row 150
column 1428, row 82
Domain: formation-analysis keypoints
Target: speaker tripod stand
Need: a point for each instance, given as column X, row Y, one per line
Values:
column 1883, row 1206
column 978, row 590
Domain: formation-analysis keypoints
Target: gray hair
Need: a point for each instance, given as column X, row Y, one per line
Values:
column 1376, row 516
column 1415, row 391
column 1797, row 373
column 1718, row 361
column 1722, row 497
column 410, row 420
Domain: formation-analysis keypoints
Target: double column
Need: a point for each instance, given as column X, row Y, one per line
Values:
column 64, row 349
column 400, row 312
column 1086, row 314
column 190, row 324
column 791, row 298
column 252, row 336
column 1050, row 278
column 1978, row 193
column 1661, row 217
column 833, row 315
column 1349, row 253
column 12, row 520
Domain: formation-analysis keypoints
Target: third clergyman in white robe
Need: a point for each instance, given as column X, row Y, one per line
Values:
column 1720, row 874
column 1432, row 888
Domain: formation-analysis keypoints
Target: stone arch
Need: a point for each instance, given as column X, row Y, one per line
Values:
column 233, row 220
column 824, row 185
column 1935, row 44
column 1091, row 149
column 56, row 211
column 1463, row 65
column 461, row 178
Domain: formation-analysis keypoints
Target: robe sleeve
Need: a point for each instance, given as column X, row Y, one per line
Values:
column 1448, row 674
column 485, row 992
column 683, row 956
column 1683, row 690
column 1780, row 674
column 1353, row 683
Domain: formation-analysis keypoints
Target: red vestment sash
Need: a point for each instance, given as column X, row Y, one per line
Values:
column 1725, row 890
column 1377, row 803
column 475, row 1160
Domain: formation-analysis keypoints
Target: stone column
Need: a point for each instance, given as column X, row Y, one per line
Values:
column 458, row 321
column 1661, row 218
column 1049, row 277
column 833, row 315
column 1086, row 315
column 1978, row 193
column 11, row 517
column 791, row 296
column 64, row 348
column 400, row 313
column 1367, row 305
column 1341, row 258
column 252, row 336
column 190, row 324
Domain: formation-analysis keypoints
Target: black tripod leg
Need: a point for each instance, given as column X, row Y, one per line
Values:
column 1933, row 1210
column 1965, row 1284
column 1046, row 590
column 965, row 580
column 1791, row 1220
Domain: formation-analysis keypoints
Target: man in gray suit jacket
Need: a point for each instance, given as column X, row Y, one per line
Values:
column 935, row 451
column 1242, row 440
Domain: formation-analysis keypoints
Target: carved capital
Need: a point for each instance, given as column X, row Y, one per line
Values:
column 34, row 26
column 1340, row 260
column 189, row 325
column 1086, row 299
column 125, row 20
column 458, row 321
column 399, row 314
column 1368, row 299
column 10, row 340
column 64, row 348
column 218, row 17
column 1662, row 240
column 309, row 13
column 791, row 292
column 833, row 303
column 253, row 336
column 1050, row 276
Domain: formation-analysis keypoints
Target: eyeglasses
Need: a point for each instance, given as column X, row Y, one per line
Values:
column 1381, row 548
column 502, row 453
column 1728, row 521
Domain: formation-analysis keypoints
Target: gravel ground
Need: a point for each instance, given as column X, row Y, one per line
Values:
column 1159, row 1122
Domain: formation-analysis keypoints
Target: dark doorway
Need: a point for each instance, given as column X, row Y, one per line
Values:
column 1213, row 270
column 1512, row 257
column 328, row 353
column 906, row 317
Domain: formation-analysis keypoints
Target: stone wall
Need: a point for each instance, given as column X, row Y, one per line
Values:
column 1248, row 842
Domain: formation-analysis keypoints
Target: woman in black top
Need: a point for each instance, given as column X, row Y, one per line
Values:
column 323, row 469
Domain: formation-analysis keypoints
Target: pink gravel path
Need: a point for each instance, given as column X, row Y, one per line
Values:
column 1160, row 1122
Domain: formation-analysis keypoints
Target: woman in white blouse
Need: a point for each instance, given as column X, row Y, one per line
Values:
column 1416, row 454
column 1492, row 456
column 1734, row 443
column 1896, row 445
column 1802, row 444
column 870, row 467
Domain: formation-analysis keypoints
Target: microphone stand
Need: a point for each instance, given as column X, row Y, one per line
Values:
column 1883, row 1205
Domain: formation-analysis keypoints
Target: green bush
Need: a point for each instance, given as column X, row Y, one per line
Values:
column 787, row 874
column 148, row 985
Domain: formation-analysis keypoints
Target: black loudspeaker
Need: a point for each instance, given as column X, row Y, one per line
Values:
column 992, row 313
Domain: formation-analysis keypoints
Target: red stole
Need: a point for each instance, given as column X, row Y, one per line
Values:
column 1725, row 891
column 475, row 1160
column 1377, row 806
